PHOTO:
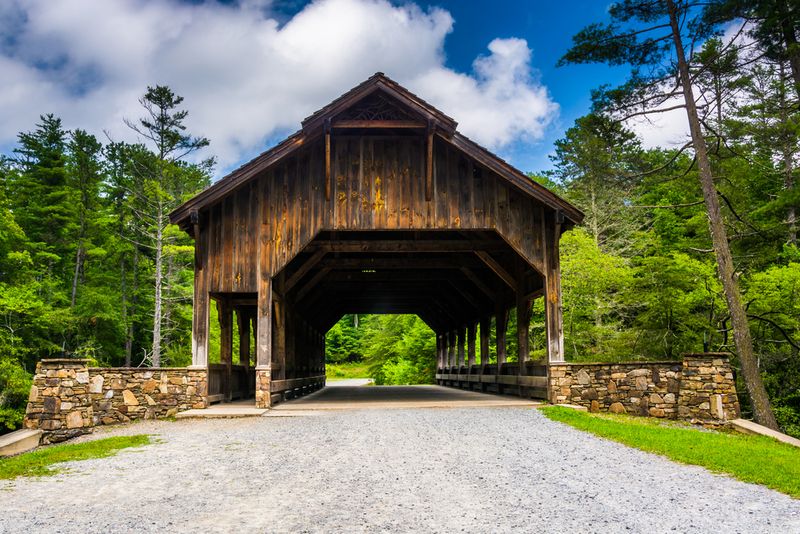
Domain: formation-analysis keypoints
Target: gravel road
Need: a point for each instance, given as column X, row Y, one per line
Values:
column 476, row 469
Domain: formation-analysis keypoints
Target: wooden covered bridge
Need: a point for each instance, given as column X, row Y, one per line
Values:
column 376, row 205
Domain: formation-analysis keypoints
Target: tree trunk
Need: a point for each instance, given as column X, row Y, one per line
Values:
column 790, row 44
column 789, row 146
column 159, row 244
column 762, row 411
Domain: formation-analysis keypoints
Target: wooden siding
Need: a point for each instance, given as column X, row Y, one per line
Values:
column 378, row 183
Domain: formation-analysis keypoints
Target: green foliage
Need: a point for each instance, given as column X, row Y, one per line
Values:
column 76, row 272
column 397, row 349
column 755, row 459
column 15, row 385
column 40, row 462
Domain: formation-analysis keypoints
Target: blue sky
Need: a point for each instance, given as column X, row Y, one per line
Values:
column 250, row 70
column 548, row 27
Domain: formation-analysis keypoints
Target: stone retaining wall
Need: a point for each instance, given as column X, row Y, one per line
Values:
column 68, row 398
column 700, row 389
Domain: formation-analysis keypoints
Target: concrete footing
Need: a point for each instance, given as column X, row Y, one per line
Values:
column 19, row 441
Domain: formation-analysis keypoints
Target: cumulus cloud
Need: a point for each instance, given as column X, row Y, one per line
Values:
column 246, row 74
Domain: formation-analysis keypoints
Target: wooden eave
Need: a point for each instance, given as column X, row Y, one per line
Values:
column 380, row 82
column 518, row 178
column 221, row 188
column 313, row 127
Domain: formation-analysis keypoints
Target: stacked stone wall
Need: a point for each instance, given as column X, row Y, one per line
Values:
column 68, row 398
column 59, row 403
column 708, row 389
column 634, row 388
column 700, row 389
column 126, row 394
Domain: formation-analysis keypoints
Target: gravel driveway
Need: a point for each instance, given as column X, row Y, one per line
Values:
column 475, row 469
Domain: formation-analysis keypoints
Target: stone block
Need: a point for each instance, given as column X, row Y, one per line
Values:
column 616, row 407
column 582, row 377
column 50, row 424
column 52, row 405
column 74, row 420
column 96, row 384
column 129, row 398
column 149, row 386
column 641, row 383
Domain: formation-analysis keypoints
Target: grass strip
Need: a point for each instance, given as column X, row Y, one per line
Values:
column 40, row 462
column 343, row 371
column 749, row 458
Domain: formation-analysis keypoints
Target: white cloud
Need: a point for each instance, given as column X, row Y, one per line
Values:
column 244, row 75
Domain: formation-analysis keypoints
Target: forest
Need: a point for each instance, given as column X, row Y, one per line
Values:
column 90, row 267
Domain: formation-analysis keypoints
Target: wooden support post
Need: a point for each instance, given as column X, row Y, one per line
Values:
column 429, row 163
column 200, row 307
column 501, row 323
column 290, row 359
column 552, row 303
column 451, row 348
column 486, row 326
column 327, row 159
column 438, row 352
column 225, row 314
column 471, row 334
column 462, row 332
column 243, row 322
column 279, row 340
column 523, row 326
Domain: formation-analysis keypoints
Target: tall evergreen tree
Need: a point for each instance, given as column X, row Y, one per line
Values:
column 163, row 127
column 652, row 37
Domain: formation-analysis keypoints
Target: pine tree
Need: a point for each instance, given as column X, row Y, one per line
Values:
column 163, row 127
column 651, row 36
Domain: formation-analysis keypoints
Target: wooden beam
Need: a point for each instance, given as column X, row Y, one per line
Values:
column 451, row 348
column 409, row 245
column 327, row 159
column 486, row 326
column 243, row 322
column 429, row 163
column 475, row 279
column 303, row 291
column 309, row 264
column 501, row 323
column 523, row 325
column 378, row 124
column 461, row 336
column 200, row 309
column 394, row 263
column 498, row 269
column 471, row 332
column 552, row 305
column 225, row 317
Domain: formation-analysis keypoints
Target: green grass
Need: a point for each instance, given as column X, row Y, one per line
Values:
column 342, row 371
column 749, row 458
column 40, row 462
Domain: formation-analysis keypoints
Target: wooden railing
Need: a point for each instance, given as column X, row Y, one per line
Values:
column 530, row 383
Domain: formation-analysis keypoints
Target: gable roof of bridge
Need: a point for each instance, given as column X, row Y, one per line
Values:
column 313, row 126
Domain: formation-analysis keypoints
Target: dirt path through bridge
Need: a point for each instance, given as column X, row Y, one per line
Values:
column 476, row 468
